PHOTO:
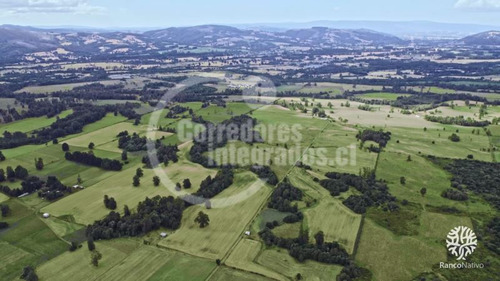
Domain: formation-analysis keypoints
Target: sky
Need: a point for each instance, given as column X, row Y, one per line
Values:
column 166, row 13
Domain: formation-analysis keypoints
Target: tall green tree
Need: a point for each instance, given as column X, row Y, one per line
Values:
column 202, row 219
column 156, row 181
column 95, row 257
column 39, row 164
column 91, row 244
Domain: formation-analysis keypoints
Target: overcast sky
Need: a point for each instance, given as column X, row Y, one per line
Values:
column 163, row 13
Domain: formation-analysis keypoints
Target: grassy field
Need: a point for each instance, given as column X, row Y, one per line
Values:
column 420, row 173
column 126, row 259
column 189, row 253
column 415, row 141
column 337, row 222
column 30, row 124
column 280, row 261
column 3, row 197
column 229, row 274
column 342, row 224
column 106, row 138
column 244, row 255
column 381, row 96
column 218, row 114
column 62, row 87
column 226, row 224
column 28, row 240
column 391, row 257
column 86, row 205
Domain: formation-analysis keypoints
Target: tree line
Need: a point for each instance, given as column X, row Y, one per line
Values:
column 151, row 214
column 88, row 158
column 373, row 192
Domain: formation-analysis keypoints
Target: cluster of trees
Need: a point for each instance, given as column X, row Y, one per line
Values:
column 131, row 142
column 373, row 192
column 265, row 173
column 210, row 187
column 459, row 120
column 352, row 272
column 90, row 159
column 164, row 154
column 365, row 107
column 204, row 93
column 479, row 177
column 380, row 137
column 29, row 274
column 301, row 249
column 5, row 210
column 335, row 186
column 109, row 202
column 492, row 233
column 139, row 173
column 282, row 197
column 455, row 194
column 36, row 108
column 178, row 109
column 158, row 85
column 83, row 114
column 30, row 185
column 98, row 91
column 151, row 215
column 12, row 174
column 53, row 189
column 433, row 99
column 454, row 138
column 215, row 136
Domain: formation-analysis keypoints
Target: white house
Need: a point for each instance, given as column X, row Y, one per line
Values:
column 46, row 215
column 163, row 234
column 247, row 233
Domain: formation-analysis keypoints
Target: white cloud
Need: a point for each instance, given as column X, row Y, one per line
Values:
column 49, row 6
column 486, row 5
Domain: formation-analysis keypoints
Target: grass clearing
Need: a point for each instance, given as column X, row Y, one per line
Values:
column 76, row 265
column 3, row 197
column 226, row 224
column 405, row 258
column 31, row 124
column 229, row 274
column 415, row 141
column 106, row 138
column 244, row 255
column 280, row 261
column 337, row 222
column 382, row 96
column 420, row 173
column 62, row 87
column 28, row 240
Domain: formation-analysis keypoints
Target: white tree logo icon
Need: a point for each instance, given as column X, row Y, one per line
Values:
column 461, row 242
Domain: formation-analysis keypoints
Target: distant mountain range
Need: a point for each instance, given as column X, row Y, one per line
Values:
column 403, row 29
column 17, row 40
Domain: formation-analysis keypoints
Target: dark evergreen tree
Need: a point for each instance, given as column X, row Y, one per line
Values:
column 187, row 183
column 202, row 219
column 156, row 181
column 39, row 164
column 90, row 244
column 65, row 147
